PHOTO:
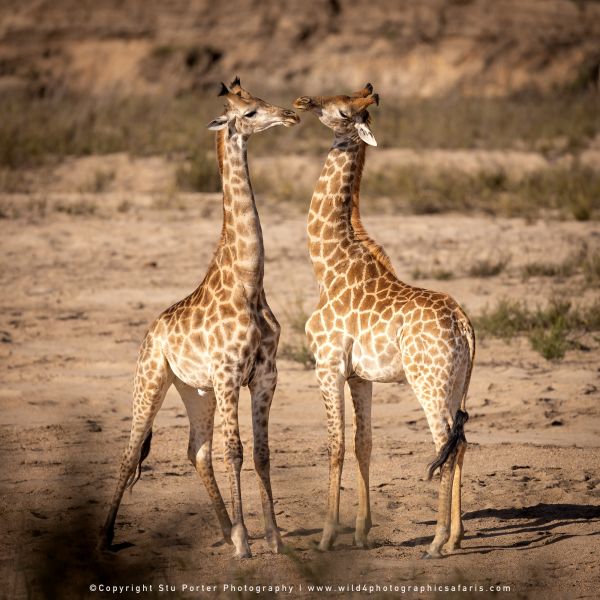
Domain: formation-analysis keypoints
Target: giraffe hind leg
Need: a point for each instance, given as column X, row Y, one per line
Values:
column 438, row 405
column 451, row 447
column 150, row 388
column 144, row 452
column 456, row 526
column 449, row 461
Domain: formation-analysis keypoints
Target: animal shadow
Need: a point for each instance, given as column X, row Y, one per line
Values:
column 535, row 526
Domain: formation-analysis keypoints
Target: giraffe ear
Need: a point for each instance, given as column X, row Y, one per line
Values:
column 218, row 123
column 365, row 134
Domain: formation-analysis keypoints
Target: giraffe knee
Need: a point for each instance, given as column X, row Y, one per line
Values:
column 234, row 453
column 200, row 455
column 336, row 455
column 362, row 448
column 262, row 459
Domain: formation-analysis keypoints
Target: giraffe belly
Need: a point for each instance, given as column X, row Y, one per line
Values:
column 194, row 370
column 384, row 365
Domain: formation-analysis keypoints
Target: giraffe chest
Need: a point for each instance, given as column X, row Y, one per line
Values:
column 356, row 342
column 377, row 358
column 220, row 345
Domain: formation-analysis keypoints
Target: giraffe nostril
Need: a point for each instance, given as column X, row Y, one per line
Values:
column 291, row 116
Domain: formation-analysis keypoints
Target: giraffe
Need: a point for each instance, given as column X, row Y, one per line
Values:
column 371, row 327
column 219, row 338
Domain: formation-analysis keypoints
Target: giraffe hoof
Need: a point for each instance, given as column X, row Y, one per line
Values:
column 452, row 546
column 329, row 535
column 429, row 555
column 276, row 544
column 361, row 541
column 326, row 544
column 104, row 541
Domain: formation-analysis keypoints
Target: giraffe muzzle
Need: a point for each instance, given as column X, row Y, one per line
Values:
column 303, row 103
column 290, row 118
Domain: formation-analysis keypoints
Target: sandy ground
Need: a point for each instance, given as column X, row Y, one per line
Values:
column 78, row 294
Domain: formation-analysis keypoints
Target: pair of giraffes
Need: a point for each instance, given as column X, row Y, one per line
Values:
column 368, row 326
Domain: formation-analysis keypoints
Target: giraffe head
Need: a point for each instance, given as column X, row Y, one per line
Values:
column 346, row 115
column 246, row 114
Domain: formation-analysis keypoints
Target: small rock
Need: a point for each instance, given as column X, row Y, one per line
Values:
column 590, row 388
column 557, row 423
column 72, row 315
column 93, row 426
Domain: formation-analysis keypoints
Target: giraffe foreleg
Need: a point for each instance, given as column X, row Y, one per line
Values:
column 262, row 388
column 361, row 391
column 227, row 395
column 332, row 390
column 201, row 413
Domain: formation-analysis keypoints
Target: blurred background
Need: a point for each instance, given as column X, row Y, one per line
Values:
column 495, row 103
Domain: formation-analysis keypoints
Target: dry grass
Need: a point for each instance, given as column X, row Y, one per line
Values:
column 573, row 192
column 488, row 267
column 564, row 121
column 551, row 330
column 35, row 130
column 438, row 273
column 583, row 260
column 199, row 174
column 294, row 346
column 100, row 182
column 38, row 131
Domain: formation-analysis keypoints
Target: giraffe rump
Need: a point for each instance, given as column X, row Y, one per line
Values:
column 457, row 436
column 133, row 479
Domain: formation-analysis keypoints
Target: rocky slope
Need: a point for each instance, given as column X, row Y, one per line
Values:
column 407, row 48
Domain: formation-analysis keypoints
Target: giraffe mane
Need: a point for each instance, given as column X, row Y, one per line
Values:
column 360, row 232
column 220, row 148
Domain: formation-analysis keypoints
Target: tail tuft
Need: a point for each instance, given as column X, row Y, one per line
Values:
column 143, row 455
column 457, row 435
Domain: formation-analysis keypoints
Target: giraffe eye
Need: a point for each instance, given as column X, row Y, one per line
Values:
column 343, row 114
column 250, row 114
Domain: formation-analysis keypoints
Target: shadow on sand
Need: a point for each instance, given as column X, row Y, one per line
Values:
column 535, row 525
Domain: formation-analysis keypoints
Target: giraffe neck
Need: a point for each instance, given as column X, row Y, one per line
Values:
column 330, row 232
column 334, row 224
column 241, row 244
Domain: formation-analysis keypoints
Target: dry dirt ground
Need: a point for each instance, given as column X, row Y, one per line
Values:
column 78, row 293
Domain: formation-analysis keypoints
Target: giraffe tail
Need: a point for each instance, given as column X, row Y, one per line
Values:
column 469, row 333
column 134, row 477
column 457, row 435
